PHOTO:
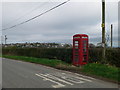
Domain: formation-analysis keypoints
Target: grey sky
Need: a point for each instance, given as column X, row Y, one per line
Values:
column 60, row 24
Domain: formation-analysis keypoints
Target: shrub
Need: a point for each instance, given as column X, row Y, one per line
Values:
column 113, row 56
column 56, row 53
column 65, row 54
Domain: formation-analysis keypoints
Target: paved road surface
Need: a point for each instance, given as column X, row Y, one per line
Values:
column 18, row 74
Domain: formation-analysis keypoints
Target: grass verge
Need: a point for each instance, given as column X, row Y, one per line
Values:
column 92, row 69
column 103, row 71
column 43, row 61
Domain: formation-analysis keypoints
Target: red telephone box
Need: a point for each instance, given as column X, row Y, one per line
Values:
column 80, row 49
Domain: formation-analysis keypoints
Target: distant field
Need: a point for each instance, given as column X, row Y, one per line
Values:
column 99, row 70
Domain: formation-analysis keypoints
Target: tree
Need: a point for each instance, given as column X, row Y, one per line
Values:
column 91, row 45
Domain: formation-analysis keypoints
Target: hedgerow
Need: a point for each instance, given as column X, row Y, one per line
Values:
column 65, row 54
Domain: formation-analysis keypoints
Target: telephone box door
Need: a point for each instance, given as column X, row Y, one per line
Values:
column 76, row 52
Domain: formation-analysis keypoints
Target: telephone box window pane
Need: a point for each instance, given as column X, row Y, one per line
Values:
column 76, row 59
column 76, row 37
column 76, row 44
column 76, row 47
column 84, row 37
column 76, row 50
column 84, row 41
column 84, row 58
column 84, row 52
column 76, row 41
column 76, row 55
column 84, row 49
column 85, row 44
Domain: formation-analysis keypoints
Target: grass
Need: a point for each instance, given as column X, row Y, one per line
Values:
column 44, row 61
column 99, row 70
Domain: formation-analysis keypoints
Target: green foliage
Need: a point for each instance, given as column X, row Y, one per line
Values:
column 51, row 53
column 65, row 54
column 113, row 56
column 44, row 61
column 105, row 71
column 95, row 54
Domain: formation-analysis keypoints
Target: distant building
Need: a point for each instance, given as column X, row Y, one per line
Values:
column 38, row 45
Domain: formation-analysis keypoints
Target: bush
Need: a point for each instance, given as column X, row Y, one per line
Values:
column 51, row 53
column 65, row 54
column 95, row 54
column 113, row 56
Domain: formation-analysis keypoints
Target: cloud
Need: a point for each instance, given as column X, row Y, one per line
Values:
column 58, row 25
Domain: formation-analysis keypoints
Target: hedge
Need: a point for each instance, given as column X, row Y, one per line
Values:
column 51, row 53
column 65, row 54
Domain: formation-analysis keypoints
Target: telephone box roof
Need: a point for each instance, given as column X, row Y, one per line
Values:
column 80, row 35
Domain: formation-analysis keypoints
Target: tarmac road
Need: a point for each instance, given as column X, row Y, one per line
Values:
column 19, row 74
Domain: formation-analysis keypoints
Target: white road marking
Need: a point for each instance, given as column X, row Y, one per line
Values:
column 54, row 86
column 83, row 79
column 75, row 77
column 85, row 76
column 68, row 78
column 72, row 80
column 56, row 78
column 70, row 72
column 65, row 78
column 79, row 75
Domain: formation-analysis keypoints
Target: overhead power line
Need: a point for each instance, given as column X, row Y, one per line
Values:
column 36, row 16
column 26, row 13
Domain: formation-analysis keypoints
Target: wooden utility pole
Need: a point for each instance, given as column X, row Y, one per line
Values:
column 111, row 35
column 5, row 39
column 103, row 31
